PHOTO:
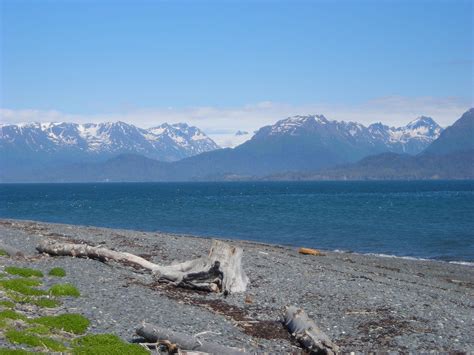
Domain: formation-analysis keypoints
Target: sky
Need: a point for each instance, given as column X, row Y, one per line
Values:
column 235, row 65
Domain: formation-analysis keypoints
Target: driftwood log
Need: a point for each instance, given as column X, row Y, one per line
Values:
column 220, row 271
column 155, row 334
column 11, row 251
column 307, row 332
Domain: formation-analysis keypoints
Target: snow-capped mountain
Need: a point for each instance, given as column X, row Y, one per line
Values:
column 411, row 139
column 77, row 142
column 295, row 144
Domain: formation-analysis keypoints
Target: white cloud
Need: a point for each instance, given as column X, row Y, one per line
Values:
column 221, row 124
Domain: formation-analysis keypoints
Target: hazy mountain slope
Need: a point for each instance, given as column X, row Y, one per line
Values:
column 459, row 136
column 393, row 166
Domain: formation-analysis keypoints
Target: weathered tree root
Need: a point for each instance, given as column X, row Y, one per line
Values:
column 220, row 271
column 156, row 334
column 307, row 332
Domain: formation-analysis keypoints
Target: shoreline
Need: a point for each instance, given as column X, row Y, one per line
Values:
column 249, row 241
column 363, row 302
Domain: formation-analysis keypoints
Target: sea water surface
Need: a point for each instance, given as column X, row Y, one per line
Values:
column 424, row 219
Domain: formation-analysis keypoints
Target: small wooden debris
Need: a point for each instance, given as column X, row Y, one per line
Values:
column 156, row 334
column 307, row 332
column 309, row 251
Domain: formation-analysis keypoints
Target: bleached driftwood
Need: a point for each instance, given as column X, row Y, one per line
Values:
column 220, row 271
column 155, row 334
column 307, row 332
column 11, row 251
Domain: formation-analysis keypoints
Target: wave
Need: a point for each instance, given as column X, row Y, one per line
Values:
column 465, row 263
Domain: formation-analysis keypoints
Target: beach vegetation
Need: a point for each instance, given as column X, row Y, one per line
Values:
column 11, row 314
column 97, row 344
column 7, row 304
column 23, row 271
column 64, row 290
column 25, row 338
column 39, row 329
column 23, row 286
column 57, row 271
column 4, row 253
column 52, row 333
column 5, row 351
column 71, row 322
column 44, row 302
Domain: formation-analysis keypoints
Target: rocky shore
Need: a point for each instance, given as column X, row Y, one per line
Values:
column 362, row 302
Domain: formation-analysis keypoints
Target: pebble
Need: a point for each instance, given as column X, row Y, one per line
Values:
column 389, row 301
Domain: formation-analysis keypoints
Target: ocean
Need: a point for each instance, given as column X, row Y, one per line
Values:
column 420, row 219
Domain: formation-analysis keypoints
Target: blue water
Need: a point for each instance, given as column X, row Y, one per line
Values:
column 432, row 219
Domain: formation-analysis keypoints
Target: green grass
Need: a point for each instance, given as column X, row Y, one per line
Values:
column 39, row 329
column 7, row 304
column 5, row 351
column 64, row 290
column 41, row 302
column 57, row 271
column 25, row 338
column 105, row 344
column 4, row 253
column 10, row 314
column 71, row 323
column 44, row 302
column 36, row 332
column 23, row 271
column 23, row 286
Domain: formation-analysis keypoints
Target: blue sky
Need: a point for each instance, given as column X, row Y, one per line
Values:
column 248, row 62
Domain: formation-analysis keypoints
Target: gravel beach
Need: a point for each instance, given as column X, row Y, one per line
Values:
column 362, row 302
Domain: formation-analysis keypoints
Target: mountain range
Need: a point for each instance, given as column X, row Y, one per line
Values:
column 451, row 156
column 52, row 144
column 295, row 147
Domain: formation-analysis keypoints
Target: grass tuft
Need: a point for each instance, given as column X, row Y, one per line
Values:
column 10, row 314
column 106, row 344
column 7, row 304
column 44, row 302
column 23, row 286
column 41, row 302
column 23, row 271
column 39, row 329
column 71, row 323
column 23, row 337
column 57, row 271
column 64, row 290
column 5, row 351
column 4, row 253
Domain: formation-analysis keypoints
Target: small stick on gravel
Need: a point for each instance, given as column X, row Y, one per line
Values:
column 307, row 332
column 220, row 271
column 154, row 333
